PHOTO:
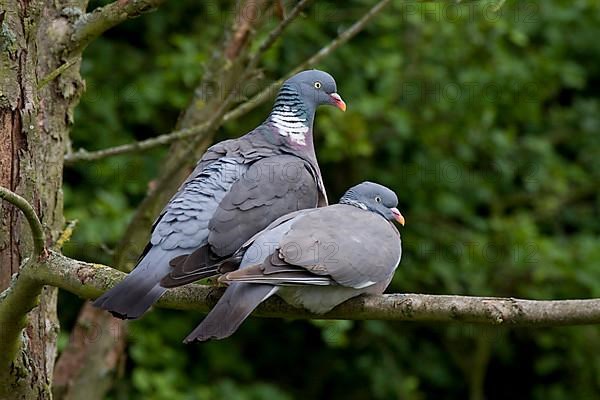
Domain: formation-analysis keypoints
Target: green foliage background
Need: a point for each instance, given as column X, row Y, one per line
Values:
column 486, row 124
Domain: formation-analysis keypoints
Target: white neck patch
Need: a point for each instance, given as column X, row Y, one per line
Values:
column 289, row 124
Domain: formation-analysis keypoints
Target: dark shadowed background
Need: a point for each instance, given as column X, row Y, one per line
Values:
column 487, row 125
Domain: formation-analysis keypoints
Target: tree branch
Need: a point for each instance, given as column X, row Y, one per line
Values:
column 84, row 155
column 90, row 280
column 264, row 95
column 93, row 24
column 37, row 231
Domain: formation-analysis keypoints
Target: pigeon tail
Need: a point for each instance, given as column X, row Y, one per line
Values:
column 172, row 280
column 239, row 300
column 198, row 265
column 140, row 289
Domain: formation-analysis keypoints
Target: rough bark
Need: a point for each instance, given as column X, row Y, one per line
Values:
column 33, row 129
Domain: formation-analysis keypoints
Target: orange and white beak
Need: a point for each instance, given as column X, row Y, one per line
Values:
column 397, row 216
column 337, row 101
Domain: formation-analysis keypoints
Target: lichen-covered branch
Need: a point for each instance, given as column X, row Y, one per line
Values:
column 20, row 297
column 89, row 280
column 15, row 302
column 255, row 101
column 37, row 230
column 93, row 24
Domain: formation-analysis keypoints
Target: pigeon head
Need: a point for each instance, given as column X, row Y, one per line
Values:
column 316, row 88
column 293, row 113
column 374, row 197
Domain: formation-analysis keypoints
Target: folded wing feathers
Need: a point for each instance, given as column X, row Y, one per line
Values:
column 280, row 274
column 288, row 278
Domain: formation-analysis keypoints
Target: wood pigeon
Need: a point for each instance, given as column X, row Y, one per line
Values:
column 315, row 259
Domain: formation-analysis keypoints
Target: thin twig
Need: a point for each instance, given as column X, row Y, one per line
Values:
column 93, row 24
column 276, row 33
column 84, row 155
column 52, row 75
column 264, row 95
column 498, row 5
column 66, row 234
column 37, row 231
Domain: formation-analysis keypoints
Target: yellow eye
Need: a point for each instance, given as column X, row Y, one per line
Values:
column 318, row 85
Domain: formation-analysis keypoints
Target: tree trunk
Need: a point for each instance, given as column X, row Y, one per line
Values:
column 34, row 123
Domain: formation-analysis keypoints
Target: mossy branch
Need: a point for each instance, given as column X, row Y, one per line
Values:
column 89, row 280
column 21, row 296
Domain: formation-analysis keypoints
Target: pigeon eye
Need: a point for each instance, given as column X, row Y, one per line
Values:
column 378, row 199
column 318, row 85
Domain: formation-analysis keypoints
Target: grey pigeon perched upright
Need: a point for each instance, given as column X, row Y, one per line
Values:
column 238, row 188
column 315, row 259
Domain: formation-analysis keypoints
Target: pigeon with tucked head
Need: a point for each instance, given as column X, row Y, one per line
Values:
column 314, row 259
